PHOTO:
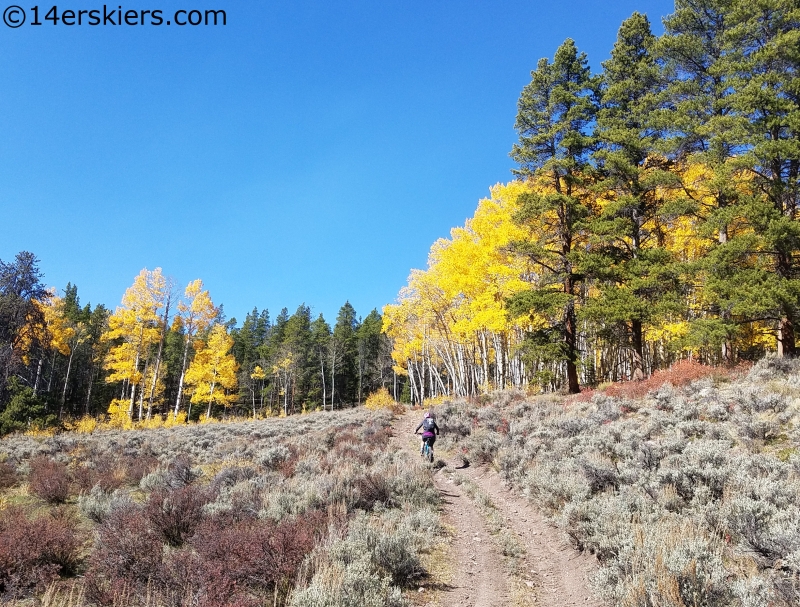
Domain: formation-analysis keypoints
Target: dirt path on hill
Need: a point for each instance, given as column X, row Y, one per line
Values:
column 476, row 574
column 560, row 574
column 553, row 574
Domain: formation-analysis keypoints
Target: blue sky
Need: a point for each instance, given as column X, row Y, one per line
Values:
column 306, row 152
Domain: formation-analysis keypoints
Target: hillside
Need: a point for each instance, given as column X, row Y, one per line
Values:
column 685, row 495
column 317, row 507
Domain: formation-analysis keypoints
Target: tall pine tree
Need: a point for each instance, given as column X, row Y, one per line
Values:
column 555, row 114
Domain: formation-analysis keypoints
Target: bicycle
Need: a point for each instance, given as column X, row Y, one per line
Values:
column 427, row 450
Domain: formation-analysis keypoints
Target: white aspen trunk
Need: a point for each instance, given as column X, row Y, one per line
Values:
column 484, row 350
column 164, row 321
column 38, row 375
column 52, row 370
column 360, row 376
column 89, row 391
column 141, row 392
column 183, row 374
column 499, row 360
column 132, row 400
column 133, row 388
column 286, row 394
column 155, row 381
column 153, row 385
column 435, row 375
column 333, row 378
column 66, row 381
column 462, row 371
column 322, row 373
column 449, row 365
column 411, row 381
column 422, row 379
column 210, row 398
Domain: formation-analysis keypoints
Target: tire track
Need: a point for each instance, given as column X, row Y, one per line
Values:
column 555, row 574
column 559, row 572
column 478, row 578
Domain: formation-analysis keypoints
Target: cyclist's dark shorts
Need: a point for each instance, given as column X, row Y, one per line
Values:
column 429, row 439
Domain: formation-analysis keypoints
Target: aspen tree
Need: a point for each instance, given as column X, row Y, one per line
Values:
column 133, row 328
column 163, row 323
column 195, row 313
column 258, row 374
column 283, row 371
column 213, row 370
column 60, row 335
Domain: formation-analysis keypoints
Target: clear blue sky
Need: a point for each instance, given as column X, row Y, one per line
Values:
column 309, row 151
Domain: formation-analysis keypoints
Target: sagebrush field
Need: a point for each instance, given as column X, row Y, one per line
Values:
column 310, row 510
column 686, row 488
column 688, row 495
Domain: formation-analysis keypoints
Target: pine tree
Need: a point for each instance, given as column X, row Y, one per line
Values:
column 634, row 273
column 369, row 341
column 297, row 345
column 343, row 354
column 762, row 69
column 555, row 114
column 320, row 339
column 703, row 133
column 21, row 320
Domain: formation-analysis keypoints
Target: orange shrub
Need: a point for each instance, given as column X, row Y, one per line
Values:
column 679, row 374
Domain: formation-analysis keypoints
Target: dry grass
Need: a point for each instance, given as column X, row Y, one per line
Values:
column 237, row 515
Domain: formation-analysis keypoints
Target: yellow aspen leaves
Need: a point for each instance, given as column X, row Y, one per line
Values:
column 132, row 329
column 213, row 370
column 196, row 311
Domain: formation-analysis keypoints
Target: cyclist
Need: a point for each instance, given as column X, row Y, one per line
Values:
column 429, row 431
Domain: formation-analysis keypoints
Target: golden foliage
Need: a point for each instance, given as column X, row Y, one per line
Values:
column 197, row 311
column 133, row 327
column 213, row 370
column 381, row 399
column 461, row 296
column 85, row 425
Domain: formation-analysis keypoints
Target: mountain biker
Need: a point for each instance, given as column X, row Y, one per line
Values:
column 429, row 431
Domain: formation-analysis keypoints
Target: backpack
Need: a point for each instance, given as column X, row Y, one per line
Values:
column 428, row 424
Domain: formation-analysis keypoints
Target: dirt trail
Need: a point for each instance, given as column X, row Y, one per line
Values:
column 478, row 578
column 560, row 573
column 556, row 574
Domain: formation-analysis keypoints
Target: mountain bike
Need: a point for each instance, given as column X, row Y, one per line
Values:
column 427, row 450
